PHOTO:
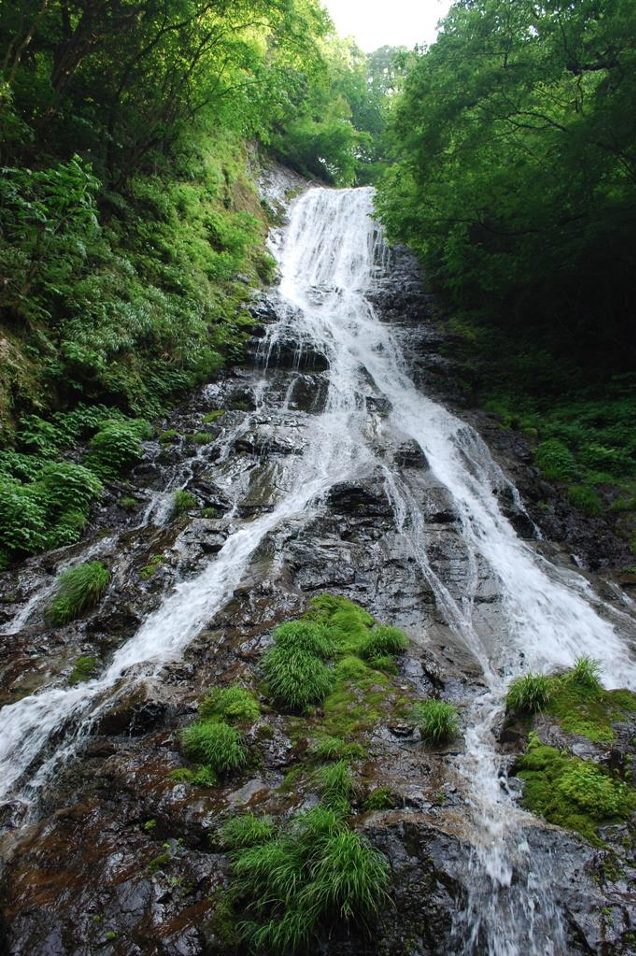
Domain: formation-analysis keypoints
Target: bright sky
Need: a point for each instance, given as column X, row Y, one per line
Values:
column 376, row 23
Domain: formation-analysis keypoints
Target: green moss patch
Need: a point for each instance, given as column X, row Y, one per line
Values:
column 570, row 792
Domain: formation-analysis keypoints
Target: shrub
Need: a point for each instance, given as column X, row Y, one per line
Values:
column 585, row 673
column 116, row 447
column 245, row 831
column 555, row 460
column 230, row 703
column 296, row 679
column 305, row 636
column 382, row 641
column 215, row 744
column 22, row 518
column 436, row 719
column 528, row 694
column 66, row 487
column 78, row 590
column 182, row 502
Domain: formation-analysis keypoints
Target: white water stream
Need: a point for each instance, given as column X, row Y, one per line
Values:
column 329, row 258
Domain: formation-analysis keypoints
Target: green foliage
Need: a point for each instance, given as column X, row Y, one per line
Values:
column 202, row 438
column 296, row 679
column 514, row 174
column 199, row 777
column 336, row 786
column 231, row 704
column 586, row 499
column 83, row 669
column 210, row 418
column 245, row 831
column 437, row 720
column 305, row 636
column 381, row 798
column 582, row 706
column 78, row 590
column 152, row 567
column 335, row 748
column 314, row 873
column 571, row 792
column 555, row 460
column 383, row 640
column 586, row 673
column 214, row 744
column 528, row 694
column 182, row 502
column 116, row 447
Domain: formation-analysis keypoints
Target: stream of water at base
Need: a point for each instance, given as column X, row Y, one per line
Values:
column 330, row 256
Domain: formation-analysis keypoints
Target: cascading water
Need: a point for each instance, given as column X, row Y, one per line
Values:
column 329, row 259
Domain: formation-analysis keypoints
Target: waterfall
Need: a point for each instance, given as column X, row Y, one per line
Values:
column 330, row 257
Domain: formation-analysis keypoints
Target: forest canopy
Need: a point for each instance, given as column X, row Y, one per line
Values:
column 514, row 169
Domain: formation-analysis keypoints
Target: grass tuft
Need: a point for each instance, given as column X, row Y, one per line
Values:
column 335, row 748
column 78, row 590
column 296, row 679
column 585, row 673
column 230, row 703
column 382, row 641
column 214, row 744
column 437, row 720
column 246, row 831
column 528, row 694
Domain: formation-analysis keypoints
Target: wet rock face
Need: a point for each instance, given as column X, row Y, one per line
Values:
column 122, row 857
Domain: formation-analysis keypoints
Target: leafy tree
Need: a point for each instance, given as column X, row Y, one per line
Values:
column 515, row 167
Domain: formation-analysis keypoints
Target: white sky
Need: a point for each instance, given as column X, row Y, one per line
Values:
column 376, row 23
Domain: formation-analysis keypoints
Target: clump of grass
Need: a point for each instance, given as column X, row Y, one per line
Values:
column 296, row 680
column 315, row 872
column 335, row 748
column 231, row 704
column 294, row 668
column 585, row 673
column 336, row 786
column 305, row 636
column 383, row 640
column 437, row 720
column 128, row 503
column 202, row 438
column 183, row 502
column 83, row 669
column 528, row 694
column 385, row 663
column 169, row 436
column 214, row 744
column 78, row 590
column 246, row 831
